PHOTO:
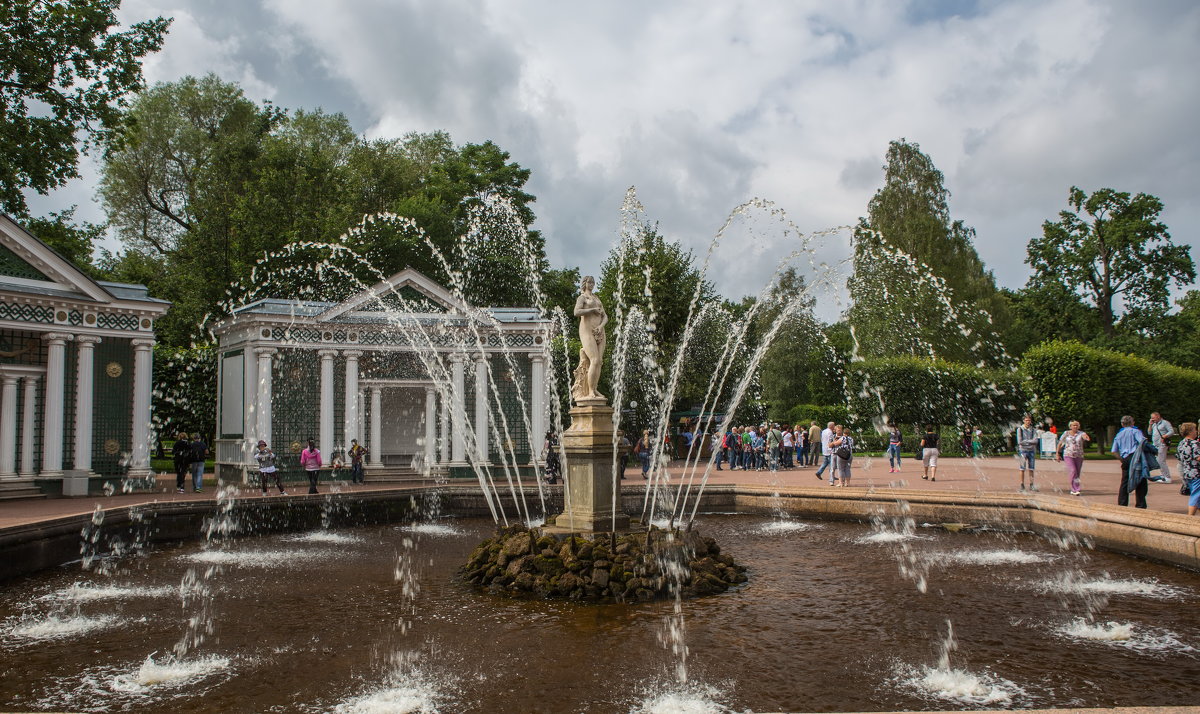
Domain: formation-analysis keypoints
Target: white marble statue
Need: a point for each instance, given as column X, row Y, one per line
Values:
column 592, row 319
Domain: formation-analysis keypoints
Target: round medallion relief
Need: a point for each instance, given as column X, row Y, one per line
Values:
column 145, row 323
column 60, row 316
column 114, row 369
column 266, row 333
column 295, row 447
column 111, row 447
column 90, row 318
column 296, row 374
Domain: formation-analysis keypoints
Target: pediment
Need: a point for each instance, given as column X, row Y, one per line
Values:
column 27, row 261
column 408, row 291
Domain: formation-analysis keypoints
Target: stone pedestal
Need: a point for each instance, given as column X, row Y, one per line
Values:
column 588, row 444
column 75, row 483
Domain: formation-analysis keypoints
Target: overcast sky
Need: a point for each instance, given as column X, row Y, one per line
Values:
column 703, row 106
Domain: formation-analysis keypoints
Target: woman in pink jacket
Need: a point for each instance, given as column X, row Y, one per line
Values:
column 310, row 461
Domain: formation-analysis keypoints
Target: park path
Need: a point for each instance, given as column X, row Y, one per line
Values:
column 995, row 474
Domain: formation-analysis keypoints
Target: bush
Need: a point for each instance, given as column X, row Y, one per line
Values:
column 822, row 415
column 914, row 392
column 1098, row 387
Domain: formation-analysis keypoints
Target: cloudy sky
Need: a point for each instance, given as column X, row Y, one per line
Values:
column 703, row 106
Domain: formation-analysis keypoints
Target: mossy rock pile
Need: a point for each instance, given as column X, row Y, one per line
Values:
column 633, row 567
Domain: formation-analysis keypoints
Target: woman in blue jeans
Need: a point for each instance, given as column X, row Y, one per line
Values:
column 644, row 446
column 893, row 448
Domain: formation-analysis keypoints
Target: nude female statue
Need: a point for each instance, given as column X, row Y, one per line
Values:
column 592, row 319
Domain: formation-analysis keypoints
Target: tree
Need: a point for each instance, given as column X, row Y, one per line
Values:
column 62, row 71
column 1117, row 250
column 1044, row 311
column 919, row 288
column 73, row 242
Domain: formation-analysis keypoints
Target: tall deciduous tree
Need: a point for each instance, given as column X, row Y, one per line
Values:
column 63, row 72
column 1112, row 246
column 913, row 261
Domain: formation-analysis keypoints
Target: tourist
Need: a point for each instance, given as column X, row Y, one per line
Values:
column 965, row 440
column 976, row 442
column 893, row 447
column 310, row 461
column 789, row 448
column 1027, row 445
column 553, row 464
column 826, row 453
column 1070, row 450
column 1160, row 436
column 1188, row 453
column 182, row 456
column 643, row 448
column 775, row 442
column 814, row 439
column 623, row 448
column 842, row 447
column 760, row 449
column 266, row 467
column 357, row 452
column 748, row 435
column 929, row 453
column 801, row 446
column 1127, row 444
column 197, row 452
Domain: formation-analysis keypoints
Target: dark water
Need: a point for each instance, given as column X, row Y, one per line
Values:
column 826, row 623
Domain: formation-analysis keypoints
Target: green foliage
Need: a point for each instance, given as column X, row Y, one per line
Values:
column 73, row 242
column 919, row 288
column 63, row 72
column 1098, row 387
column 801, row 365
column 915, row 391
column 185, row 390
column 804, row 414
column 1047, row 311
column 204, row 182
column 1117, row 249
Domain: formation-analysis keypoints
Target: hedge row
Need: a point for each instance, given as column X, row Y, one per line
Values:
column 1098, row 387
column 914, row 391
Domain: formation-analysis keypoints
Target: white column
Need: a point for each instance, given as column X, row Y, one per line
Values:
column 143, row 361
column 249, row 404
column 28, row 424
column 52, row 430
column 8, row 426
column 361, row 401
column 263, row 428
column 537, row 404
column 350, row 412
column 325, row 443
column 84, row 398
column 430, row 424
column 458, row 409
column 376, row 454
column 445, row 430
column 481, row 410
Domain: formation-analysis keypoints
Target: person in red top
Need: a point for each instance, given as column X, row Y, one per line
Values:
column 310, row 461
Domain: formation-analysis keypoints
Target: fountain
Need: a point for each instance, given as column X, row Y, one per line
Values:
column 355, row 601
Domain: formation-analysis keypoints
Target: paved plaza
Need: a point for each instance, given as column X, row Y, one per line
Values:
column 998, row 474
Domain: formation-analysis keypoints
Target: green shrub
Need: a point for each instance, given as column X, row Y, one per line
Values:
column 822, row 415
column 1098, row 387
column 913, row 392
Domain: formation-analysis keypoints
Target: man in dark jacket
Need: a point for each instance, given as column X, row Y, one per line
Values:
column 198, row 452
column 182, row 454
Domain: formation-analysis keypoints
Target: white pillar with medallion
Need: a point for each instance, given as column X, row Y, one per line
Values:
column 52, row 429
column 537, row 405
column 430, row 425
column 263, row 429
column 326, row 410
column 376, row 455
column 84, row 401
column 8, row 426
column 481, row 407
column 350, row 410
column 28, row 425
column 143, row 365
column 458, row 409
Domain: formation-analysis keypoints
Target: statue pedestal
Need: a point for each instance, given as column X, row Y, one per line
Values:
column 588, row 444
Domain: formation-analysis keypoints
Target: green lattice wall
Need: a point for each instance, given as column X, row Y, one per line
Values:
column 15, row 266
column 295, row 405
column 112, row 411
column 506, row 380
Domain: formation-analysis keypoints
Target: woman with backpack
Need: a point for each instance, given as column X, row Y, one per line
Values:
column 929, row 453
column 843, row 453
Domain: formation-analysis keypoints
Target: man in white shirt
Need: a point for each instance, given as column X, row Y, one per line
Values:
column 826, row 451
column 1160, row 434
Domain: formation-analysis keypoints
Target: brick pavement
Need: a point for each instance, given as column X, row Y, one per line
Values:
column 996, row 474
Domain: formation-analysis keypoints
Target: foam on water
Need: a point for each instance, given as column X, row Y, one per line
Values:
column 1118, row 634
column 434, row 529
column 959, row 685
column 888, row 536
column 994, row 557
column 403, row 693
column 89, row 593
column 55, row 627
column 170, row 672
column 783, row 527
column 692, row 699
column 249, row 558
column 325, row 537
column 1070, row 584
